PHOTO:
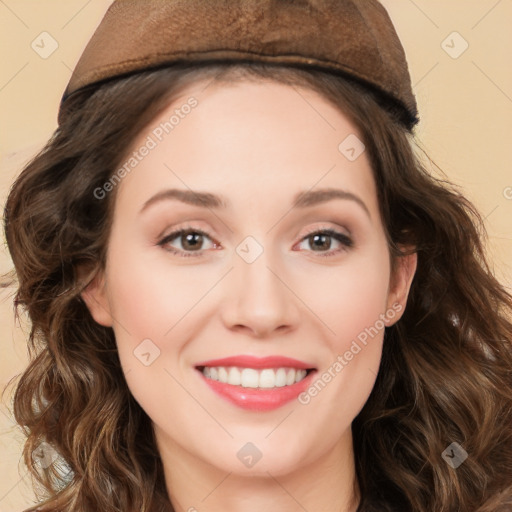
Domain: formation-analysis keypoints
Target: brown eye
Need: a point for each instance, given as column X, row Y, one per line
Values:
column 322, row 241
column 190, row 239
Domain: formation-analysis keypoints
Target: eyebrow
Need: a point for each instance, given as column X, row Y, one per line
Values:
column 303, row 199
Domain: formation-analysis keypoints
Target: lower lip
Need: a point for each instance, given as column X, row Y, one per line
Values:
column 258, row 399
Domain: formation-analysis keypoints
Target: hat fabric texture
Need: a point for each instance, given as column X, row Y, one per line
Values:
column 351, row 37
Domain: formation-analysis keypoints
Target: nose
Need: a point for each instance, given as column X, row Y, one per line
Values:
column 259, row 299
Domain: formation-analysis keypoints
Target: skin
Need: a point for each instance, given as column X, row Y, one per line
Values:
column 257, row 144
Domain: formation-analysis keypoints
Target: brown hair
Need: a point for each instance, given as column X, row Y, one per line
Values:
column 445, row 372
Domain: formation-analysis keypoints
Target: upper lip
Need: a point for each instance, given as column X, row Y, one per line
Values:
column 245, row 361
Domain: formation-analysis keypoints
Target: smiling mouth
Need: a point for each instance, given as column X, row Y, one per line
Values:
column 262, row 378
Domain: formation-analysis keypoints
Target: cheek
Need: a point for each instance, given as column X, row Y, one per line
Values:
column 147, row 304
column 157, row 306
column 350, row 301
column 148, row 296
column 349, row 297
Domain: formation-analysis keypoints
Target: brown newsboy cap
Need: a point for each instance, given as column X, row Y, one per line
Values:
column 353, row 37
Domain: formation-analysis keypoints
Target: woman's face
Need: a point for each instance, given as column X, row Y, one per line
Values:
column 251, row 172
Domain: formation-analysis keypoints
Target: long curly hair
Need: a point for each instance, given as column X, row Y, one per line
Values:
column 446, row 369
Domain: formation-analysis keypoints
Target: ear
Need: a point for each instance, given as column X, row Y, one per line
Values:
column 96, row 300
column 400, row 285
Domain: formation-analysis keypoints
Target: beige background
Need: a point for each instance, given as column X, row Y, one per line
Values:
column 465, row 105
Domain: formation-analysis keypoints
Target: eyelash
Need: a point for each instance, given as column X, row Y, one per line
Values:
column 345, row 240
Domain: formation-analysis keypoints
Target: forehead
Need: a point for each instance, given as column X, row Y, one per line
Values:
column 253, row 138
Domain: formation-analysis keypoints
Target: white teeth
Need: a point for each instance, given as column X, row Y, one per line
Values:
column 223, row 374
column 251, row 378
column 280, row 378
column 234, row 377
column 267, row 379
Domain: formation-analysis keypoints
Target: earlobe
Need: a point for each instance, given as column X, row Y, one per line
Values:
column 96, row 300
column 401, row 285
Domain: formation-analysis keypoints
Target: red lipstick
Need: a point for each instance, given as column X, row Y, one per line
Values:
column 258, row 362
column 257, row 399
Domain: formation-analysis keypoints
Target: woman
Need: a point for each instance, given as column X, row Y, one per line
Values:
column 246, row 291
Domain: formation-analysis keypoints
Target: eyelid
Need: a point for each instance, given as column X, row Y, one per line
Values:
column 326, row 228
